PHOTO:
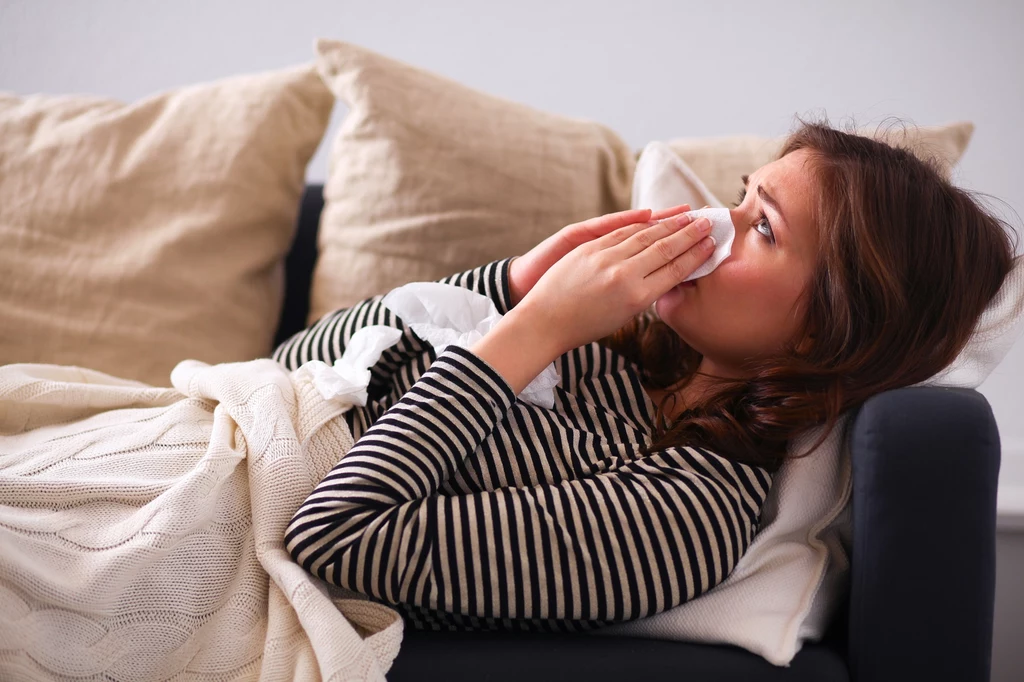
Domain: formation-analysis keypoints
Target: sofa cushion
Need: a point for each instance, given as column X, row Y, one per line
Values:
column 514, row 657
column 139, row 235
column 720, row 162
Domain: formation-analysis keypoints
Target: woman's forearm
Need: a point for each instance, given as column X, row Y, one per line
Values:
column 513, row 281
column 517, row 348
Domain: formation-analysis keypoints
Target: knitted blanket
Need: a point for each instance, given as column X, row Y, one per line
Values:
column 141, row 529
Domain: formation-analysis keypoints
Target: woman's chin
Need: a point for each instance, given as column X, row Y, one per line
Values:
column 673, row 297
column 672, row 312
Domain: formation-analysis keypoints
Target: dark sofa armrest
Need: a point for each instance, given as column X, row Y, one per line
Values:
column 299, row 264
column 925, row 475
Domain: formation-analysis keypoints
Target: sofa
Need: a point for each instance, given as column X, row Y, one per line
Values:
column 922, row 579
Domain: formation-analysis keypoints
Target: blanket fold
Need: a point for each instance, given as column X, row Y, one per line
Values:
column 141, row 529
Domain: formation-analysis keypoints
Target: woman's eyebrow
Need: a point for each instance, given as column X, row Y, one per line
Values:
column 767, row 198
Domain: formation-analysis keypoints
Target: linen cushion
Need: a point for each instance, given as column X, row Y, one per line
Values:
column 720, row 162
column 138, row 235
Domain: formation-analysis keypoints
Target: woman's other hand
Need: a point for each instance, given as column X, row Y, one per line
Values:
column 595, row 288
column 526, row 270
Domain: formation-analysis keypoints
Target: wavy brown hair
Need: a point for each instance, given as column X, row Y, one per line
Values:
column 907, row 263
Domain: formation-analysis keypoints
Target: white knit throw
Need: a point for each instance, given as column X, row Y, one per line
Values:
column 141, row 530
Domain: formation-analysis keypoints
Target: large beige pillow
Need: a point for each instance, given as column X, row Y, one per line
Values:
column 138, row 235
column 720, row 162
column 428, row 177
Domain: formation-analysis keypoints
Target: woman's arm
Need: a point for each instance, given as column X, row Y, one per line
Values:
column 327, row 339
column 610, row 547
column 505, row 282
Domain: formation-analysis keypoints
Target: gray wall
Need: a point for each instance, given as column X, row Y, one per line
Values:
column 1008, row 636
column 649, row 69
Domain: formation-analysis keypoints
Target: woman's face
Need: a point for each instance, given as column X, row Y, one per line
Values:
column 750, row 305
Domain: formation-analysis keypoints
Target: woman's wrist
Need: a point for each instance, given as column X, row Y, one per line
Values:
column 513, row 290
column 517, row 348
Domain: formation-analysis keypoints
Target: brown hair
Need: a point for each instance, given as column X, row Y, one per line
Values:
column 907, row 263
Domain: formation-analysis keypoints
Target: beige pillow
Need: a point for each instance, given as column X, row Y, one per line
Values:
column 138, row 235
column 720, row 162
column 428, row 177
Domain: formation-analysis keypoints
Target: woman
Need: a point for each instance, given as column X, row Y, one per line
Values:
column 856, row 268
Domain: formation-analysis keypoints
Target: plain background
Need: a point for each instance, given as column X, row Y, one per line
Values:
column 647, row 69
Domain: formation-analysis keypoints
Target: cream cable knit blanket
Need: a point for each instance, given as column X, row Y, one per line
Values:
column 141, row 529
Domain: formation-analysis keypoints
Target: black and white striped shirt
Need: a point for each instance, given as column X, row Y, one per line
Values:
column 466, row 508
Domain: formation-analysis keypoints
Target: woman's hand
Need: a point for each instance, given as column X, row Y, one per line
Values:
column 598, row 286
column 526, row 270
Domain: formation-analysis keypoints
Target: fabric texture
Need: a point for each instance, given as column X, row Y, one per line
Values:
column 794, row 576
column 445, row 314
column 468, row 508
column 428, row 177
column 926, row 473
column 999, row 328
column 139, row 235
column 141, row 529
column 720, row 162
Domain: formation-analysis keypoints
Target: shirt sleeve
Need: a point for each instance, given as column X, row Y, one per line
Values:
column 614, row 546
column 327, row 339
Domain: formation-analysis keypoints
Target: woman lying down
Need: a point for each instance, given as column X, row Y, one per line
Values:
column 855, row 269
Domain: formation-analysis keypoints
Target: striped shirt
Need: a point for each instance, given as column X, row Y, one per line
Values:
column 465, row 508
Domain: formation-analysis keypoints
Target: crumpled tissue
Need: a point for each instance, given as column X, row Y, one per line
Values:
column 347, row 379
column 724, row 233
column 446, row 315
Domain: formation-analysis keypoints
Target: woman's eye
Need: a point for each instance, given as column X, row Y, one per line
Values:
column 767, row 232
column 762, row 219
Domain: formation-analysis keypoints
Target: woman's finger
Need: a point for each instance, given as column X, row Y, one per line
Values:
column 633, row 239
column 670, row 246
column 602, row 225
column 669, row 212
column 679, row 268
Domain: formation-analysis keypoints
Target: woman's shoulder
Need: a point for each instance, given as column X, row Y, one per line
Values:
column 708, row 468
column 691, row 454
column 597, row 365
column 607, row 380
column 594, row 359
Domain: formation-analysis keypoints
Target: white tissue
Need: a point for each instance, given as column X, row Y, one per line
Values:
column 347, row 379
column 724, row 233
column 446, row 315
column 663, row 180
